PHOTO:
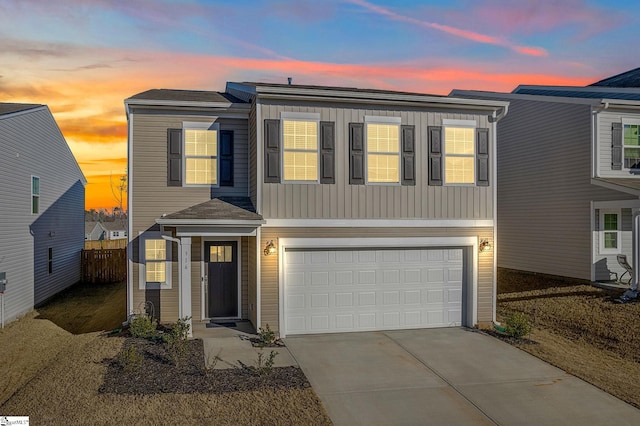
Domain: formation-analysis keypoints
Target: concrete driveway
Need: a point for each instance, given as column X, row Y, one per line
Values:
column 446, row 376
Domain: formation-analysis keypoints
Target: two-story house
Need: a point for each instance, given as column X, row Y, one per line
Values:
column 312, row 209
column 41, row 209
column 568, row 178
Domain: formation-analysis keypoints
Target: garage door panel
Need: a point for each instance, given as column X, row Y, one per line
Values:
column 372, row 289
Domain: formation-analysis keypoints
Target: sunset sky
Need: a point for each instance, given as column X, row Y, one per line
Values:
column 84, row 57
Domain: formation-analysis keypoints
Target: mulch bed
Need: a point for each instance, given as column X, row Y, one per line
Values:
column 158, row 374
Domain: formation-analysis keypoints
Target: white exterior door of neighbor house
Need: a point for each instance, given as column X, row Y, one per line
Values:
column 328, row 290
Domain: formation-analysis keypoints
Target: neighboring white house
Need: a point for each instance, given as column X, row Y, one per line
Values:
column 41, row 206
column 98, row 231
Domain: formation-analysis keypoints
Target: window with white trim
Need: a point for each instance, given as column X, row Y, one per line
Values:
column 300, row 150
column 201, row 156
column 383, row 149
column 610, row 235
column 631, row 146
column 155, row 262
column 459, row 155
column 35, row 195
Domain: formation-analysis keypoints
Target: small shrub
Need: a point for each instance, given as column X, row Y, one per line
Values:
column 517, row 325
column 266, row 335
column 176, row 340
column 130, row 359
column 142, row 326
column 265, row 366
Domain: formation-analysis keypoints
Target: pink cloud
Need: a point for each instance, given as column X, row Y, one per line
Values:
column 466, row 34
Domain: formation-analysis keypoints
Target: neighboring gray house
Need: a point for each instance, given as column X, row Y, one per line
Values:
column 97, row 231
column 312, row 209
column 568, row 177
column 41, row 206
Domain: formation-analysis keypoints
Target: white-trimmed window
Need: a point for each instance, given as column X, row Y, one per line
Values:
column 610, row 235
column 459, row 152
column 631, row 146
column 35, row 195
column 155, row 262
column 383, row 149
column 300, row 145
column 200, row 154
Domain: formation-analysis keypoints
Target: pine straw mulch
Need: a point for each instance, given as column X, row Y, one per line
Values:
column 576, row 327
column 159, row 374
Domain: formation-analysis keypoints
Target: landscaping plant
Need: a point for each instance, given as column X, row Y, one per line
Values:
column 176, row 340
column 130, row 359
column 266, row 335
column 265, row 366
column 517, row 325
column 142, row 326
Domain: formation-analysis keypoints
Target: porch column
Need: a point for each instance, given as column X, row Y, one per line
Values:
column 185, row 284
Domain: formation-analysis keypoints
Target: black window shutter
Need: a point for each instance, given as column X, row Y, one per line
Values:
column 435, row 155
column 272, row 151
column 408, row 155
column 616, row 146
column 482, row 157
column 327, row 152
column 174, row 157
column 226, row 158
column 356, row 153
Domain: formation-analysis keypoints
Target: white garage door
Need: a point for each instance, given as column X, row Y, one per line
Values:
column 334, row 290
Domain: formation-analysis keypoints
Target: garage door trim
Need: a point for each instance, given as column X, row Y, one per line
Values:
column 346, row 243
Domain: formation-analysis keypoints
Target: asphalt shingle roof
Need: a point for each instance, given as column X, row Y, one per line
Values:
column 629, row 78
column 8, row 108
column 223, row 208
column 186, row 96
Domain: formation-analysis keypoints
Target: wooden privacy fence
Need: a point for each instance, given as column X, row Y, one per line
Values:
column 104, row 266
column 105, row 244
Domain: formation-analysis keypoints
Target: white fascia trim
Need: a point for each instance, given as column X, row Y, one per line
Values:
column 230, row 234
column 620, row 204
column 426, row 242
column 375, row 223
column 310, row 116
column 382, row 119
column 458, row 123
column 129, row 213
column 213, row 223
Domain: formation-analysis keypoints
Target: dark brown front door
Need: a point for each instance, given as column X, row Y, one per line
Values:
column 221, row 258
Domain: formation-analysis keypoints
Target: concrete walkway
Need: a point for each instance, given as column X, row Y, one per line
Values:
column 446, row 376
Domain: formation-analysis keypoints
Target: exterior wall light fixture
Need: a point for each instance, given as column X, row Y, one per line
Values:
column 485, row 245
column 270, row 248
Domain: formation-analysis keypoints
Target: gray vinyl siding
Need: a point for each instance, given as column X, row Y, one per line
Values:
column 544, row 189
column 31, row 144
column 253, row 155
column 344, row 201
column 269, row 273
column 151, row 197
column 605, row 119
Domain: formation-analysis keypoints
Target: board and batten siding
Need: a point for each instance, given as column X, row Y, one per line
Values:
column 544, row 188
column 151, row 197
column 269, row 290
column 604, row 121
column 31, row 145
column 344, row 201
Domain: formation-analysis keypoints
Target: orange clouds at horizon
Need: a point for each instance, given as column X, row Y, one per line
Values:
column 88, row 105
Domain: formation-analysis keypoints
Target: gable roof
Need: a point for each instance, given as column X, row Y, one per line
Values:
column 629, row 78
column 9, row 108
column 223, row 210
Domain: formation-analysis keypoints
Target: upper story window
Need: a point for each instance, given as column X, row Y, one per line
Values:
column 459, row 155
column 383, row 149
column 631, row 147
column 201, row 156
column 300, row 150
column 35, row 194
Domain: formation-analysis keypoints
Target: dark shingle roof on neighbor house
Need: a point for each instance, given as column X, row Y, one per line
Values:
column 8, row 108
column 186, row 96
column 629, row 78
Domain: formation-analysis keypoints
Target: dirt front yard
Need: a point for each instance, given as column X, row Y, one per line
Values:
column 57, row 377
column 577, row 328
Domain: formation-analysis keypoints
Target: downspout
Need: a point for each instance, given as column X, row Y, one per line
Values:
column 179, row 243
column 494, row 118
column 129, row 221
